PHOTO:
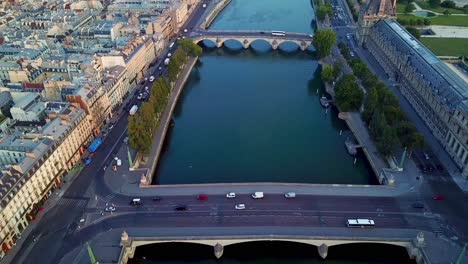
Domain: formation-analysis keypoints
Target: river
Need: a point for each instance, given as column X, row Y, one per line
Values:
column 254, row 116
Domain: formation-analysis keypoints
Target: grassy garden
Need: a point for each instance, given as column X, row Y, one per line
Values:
column 461, row 21
column 447, row 46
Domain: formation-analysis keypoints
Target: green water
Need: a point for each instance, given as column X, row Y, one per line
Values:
column 255, row 117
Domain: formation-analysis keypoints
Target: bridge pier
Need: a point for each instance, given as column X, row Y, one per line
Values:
column 246, row 44
column 323, row 251
column 218, row 250
column 303, row 46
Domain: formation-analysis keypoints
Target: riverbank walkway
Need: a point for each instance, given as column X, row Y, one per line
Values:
column 164, row 120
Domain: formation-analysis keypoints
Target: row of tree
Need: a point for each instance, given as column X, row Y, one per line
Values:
column 388, row 125
column 186, row 48
column 414, row 22
column 142, row 125
column 322, row 10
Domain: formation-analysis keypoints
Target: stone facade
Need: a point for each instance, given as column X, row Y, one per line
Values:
column 439, row 95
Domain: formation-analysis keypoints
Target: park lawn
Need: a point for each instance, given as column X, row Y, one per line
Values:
column 439, row 9
column 461, row 21
column 447, row 46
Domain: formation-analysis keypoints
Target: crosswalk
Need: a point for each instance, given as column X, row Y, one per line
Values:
column 435, row 227
column 71, row 202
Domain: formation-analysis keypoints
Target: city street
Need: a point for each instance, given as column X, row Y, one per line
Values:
column 60, row 230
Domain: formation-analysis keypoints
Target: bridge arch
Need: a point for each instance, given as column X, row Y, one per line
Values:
column 247, row 41
column 218, row 245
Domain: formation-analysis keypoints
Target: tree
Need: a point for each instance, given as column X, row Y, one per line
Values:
column 323, row 40
column 465, row 9
column 414, row 31
column 337, row 69
column 388, row 142
column 393, row 114
column 409, row 8
column 359, row 69
column 138, row 137
column 370, row 104
column 327, row 74
column 448, row 4
column 189, row 47
column 427, row 22
column 348, row 95
column 321, row 12
column 446, row 12
column 434, row 3
column 377, row 124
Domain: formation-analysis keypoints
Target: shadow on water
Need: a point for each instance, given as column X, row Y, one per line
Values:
column 270, row 252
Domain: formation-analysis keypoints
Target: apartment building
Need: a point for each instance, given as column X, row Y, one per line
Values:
column 33, row 163
column 437, row 93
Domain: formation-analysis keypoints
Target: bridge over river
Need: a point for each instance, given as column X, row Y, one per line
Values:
column 247, row 37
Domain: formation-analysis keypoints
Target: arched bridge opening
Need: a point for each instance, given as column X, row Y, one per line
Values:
column 315, row 248
column 258, row 44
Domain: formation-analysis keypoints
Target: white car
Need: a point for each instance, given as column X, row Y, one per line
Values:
column 257, row 195
column 185, row 30
column 240, row 206
column 110, row 209
column 426, row 156
column 231, row 195
column 290, row 195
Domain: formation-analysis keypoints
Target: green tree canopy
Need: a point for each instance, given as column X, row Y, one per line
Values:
column 327, row 74
column 388, row 142
column 414, row 31
column 434, row 3
column 348, row 95
column 322, row 11
column 189, row 47
column 337, row 66
column 409, row 8
column 323, row 41
column 370, row 104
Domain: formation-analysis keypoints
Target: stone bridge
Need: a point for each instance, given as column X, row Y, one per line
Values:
column 247, row 37
column 129, row 244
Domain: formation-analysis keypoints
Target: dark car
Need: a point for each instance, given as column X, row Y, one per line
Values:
column 439, row 167
column 262, row 32
column 180, row 208
column 418, row 205
column 157, row 198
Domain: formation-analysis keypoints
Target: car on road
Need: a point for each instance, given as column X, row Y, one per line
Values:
column 418, row 205
column 135, row 202
column 257, row 195
column 110, row 127
column 202, row 197
column 156, row 198
column 110, row 209
column 351, row 53
column 262, row 32
column 438, row 197
column 180, row 208
column 231, row 195
column 240, row 206
column 185, row 30
column 140, row 96
column 426, row 156
column 160, row 68
column 290, row 195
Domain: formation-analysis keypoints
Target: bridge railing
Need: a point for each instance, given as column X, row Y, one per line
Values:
column 253, row 31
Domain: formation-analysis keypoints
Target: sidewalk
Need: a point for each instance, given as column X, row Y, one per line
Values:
column 48, row 204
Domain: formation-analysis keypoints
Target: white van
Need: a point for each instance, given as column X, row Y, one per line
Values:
column 135, row 202
column 257, row 195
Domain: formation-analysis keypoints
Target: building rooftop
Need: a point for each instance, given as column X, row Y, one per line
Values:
column 450, row 88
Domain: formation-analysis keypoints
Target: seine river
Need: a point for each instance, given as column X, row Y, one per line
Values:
column 254, row 116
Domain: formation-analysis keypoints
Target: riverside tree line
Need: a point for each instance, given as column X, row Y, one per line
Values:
column 387, row 124
column 142, row 125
